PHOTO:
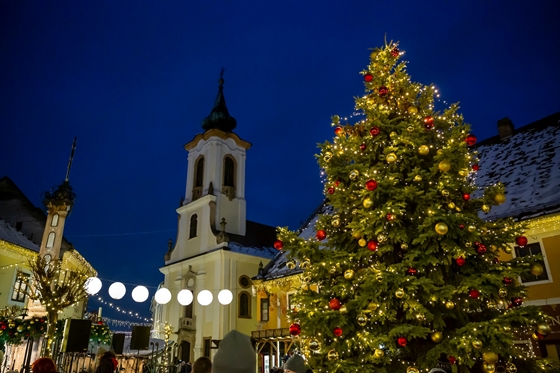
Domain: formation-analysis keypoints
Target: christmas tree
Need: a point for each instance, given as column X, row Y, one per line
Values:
column 403, row 275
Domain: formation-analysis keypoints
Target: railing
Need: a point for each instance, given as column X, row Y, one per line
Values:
column 270, row 333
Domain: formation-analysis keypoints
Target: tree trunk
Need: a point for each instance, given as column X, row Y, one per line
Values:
column 51, row 328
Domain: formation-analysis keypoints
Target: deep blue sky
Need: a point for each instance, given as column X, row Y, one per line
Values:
column 133, row 80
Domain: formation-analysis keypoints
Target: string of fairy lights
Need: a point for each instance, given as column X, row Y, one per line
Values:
column 121, row 310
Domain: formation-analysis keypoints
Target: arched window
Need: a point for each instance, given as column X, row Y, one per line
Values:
column 54, row 221
column 50, row 239
column 229, row 172
column 244, row 305
column 194, row 224
column 199, row 172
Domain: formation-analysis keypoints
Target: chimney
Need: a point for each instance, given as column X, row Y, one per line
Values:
column 505, row 128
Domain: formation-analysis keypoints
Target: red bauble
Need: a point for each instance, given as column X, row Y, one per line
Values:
column 278, row 245
column 460, row 261
column 390, row 217
column 371, row 185
column 412, row 271
column 429, row 122
column 4, row 326
column 466, row 196
column 383, row 91
column 475, row 167
column 481, row 249
column 496, row 260
column 337, row 331
column 452, row 359
column 470, row 140
column 507, row 281
column 461, row 226
column 395, row 52
column 372, row 245
column 368, row 77
column 374, row 131
column 473, row 293
column 401, row 341
column 321, row 234
column 339, row 131
column 330, row 190
column 363, row 147
column 336, row 183
column 539, row 335
column 521, row 241
column 295, row 329
column 516, row 302
column 100, row 323
column 334, row 304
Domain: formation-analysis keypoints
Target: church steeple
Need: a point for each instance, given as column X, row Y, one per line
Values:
column 219, row 117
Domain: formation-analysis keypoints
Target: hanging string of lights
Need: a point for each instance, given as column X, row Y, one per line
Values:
column 126, row 323
column 11, row 265
column 119, row 309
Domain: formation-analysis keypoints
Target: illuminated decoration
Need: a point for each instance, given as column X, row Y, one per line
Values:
column 371, row 185
column 278, row 245
column 120, row 309
column 295, row 329
column 117, row 290
column 470, row 140
column 368, row 77
column 321, row 235
column 225, row 297
column 93, row 285
column 140, row 294
column 374, row 131
column 185, row 297
column 162, row 296
column 204, row 298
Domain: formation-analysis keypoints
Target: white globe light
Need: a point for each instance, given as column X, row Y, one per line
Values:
column 225, row 297
column 204, row 297
column 185, row 297
column 140, row 294
column 163, row 296
column 117, row 290
column 93, row 285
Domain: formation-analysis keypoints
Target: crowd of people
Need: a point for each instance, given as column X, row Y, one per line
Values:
column 235, row 355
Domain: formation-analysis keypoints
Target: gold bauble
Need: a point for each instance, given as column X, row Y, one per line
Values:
column 463, row 172
column 412, row 110
column 372, row 306
column 368, row 203
column 343, row 309
column 381, row 238
column 451, row 205
column 458, row 209
column 490, row 357
column 508, row 249
column 357, row 234
column 314, row 344
column 361, row 319
column 379, row 277
column 332, row 355
column 537, row 269
column 399, row 293
column 544, row 329
column 349, row 274
column 404, row 246
column 511, row 368
column 436, row 337
column 417, row 178
column 332, row 270
column 439, row 152
column 335, row 221
column 485, row 208
column 488, row 368
column 468, row 244
column 311, row 314
column 449, row 305
column 441, row 228
column 305, row 263
column 362, row 242
column 445, row 193
column 391, row 157
column 433, row 298
column 423, row 150
column 291, row 264
column 476, row 343
column 535, row 336
column 412, row 370
column 500, row 198
column 410, row 128
column 444, row 166
column 471, row 228
column 420, row 317
column 393, row 135
column 378, row 353
column 327, row 157
column 354, row 174
column 20, row 328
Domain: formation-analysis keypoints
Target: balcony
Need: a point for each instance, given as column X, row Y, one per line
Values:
column 187, row 323
column 282, row 333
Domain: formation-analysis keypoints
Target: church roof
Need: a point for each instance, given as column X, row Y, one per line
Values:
column 258, row 240
column 11, row 235
column 219, row 117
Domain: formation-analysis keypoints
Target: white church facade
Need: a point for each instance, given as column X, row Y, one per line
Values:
column 216, row 247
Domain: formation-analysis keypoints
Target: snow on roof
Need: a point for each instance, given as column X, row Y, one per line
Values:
column 528, row 164
column 263, row 252
column 10, row 234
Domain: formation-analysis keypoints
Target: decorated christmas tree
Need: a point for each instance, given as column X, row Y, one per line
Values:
column 403, row 274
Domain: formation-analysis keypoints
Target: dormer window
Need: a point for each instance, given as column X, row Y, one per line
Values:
column 228, row 185
column 198, row 177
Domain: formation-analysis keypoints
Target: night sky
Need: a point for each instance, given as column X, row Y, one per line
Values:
column 133, row 81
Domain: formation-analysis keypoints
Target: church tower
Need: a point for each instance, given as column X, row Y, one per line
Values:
column 58, row 204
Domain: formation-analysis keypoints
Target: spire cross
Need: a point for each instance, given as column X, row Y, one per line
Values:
column 71, row 159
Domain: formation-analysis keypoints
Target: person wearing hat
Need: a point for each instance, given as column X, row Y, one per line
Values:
column 107, row 361
column 295, row 364
column 235, row 354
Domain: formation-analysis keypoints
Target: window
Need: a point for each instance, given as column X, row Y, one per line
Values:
column 54, row 221
column 244, row 305
column 199, row 172
column 207, row 344
column 20, row 287
column 50, row 239
column 532, row 249
column 229, row 172
column 189, row 310
column 194, row 223
column 264, row 309
column 244, row 281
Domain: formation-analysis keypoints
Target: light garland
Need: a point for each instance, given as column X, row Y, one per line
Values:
column 15, row 265
column 116, row 322
column 119, row 309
